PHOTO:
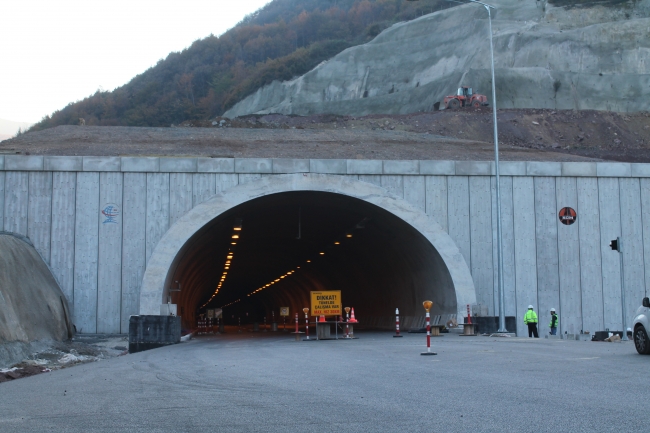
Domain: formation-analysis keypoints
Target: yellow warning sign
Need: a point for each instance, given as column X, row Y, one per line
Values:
column 326, row 303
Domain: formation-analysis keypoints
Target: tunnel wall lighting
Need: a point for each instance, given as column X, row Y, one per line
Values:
column 229, row 257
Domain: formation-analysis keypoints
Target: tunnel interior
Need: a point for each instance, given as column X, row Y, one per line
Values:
column 270, row 252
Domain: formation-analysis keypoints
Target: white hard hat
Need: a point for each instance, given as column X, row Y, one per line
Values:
column 530, row 307
column 553, row 310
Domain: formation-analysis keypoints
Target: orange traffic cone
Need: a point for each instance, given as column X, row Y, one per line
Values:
column 352, row 318
column 321, row 319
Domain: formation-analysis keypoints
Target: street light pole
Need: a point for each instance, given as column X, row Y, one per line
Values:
column 502, row 316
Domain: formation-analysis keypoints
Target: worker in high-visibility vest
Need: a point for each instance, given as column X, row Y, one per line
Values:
column 530, row 319
column 554, row 322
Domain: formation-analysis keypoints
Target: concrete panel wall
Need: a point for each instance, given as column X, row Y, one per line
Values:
column 180, row 195
column 523, row 198
column 591, row 282
column 203, row 187
column 157, row 209
column 16, row 202
column 508, row 245
column 436, row 202
column 610, row 228
column 134, row 245
column 2, row 200
column 39, row 214
column 645, row 214
column 64, row 188
column 568, row 247
column 86, row 252
column 632, row 235
column 480, row 222
column 100, row 266
column 548, row 280
column 109, row 275
column 458, row 214
column 415, row 191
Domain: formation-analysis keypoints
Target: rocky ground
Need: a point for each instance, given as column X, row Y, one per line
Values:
column 57, row 355
column 464, row 134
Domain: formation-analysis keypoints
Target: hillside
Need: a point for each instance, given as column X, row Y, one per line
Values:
column 555, row 54
column 283, row 40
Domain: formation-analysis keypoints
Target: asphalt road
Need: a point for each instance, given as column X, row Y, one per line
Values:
column 266, row 382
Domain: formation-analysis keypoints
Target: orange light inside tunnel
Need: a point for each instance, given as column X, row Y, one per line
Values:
column 235, row 236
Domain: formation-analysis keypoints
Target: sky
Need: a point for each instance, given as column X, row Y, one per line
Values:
column 56, row 52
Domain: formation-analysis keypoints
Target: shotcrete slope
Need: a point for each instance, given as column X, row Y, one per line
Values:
column 32, row 306
column 594, row 57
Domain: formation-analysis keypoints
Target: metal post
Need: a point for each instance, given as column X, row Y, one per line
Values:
column 620, row 253
column 427, row 308
column 307, row 326
column 502, row 316
column 396, row 323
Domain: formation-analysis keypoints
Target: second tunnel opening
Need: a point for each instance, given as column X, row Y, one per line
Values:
column 270, row 252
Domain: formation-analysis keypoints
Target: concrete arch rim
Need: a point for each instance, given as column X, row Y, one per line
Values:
column 157, row 277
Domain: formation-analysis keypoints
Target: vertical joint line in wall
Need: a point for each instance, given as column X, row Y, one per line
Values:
column 50, row 224
column 535, row 236
column 645, row 285
column 119, row 307
column 99, row 204
column 582, row 315
column 557, row 249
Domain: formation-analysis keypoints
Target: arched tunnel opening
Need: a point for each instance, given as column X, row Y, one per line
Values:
column 272, row 251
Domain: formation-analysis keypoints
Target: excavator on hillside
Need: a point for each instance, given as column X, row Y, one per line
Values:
column 465, row 98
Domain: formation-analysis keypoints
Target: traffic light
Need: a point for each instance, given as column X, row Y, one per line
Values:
column 615, row 244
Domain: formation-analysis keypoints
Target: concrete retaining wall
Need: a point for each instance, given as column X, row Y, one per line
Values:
column 96, row 221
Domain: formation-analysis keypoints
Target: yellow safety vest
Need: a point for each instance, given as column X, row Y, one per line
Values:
column 530, row 317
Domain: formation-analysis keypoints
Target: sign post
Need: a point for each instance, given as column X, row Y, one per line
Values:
column 306, row 311
column 284, row 312
column 427, row 307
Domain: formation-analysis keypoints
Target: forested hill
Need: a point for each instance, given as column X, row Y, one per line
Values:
column 284, row 39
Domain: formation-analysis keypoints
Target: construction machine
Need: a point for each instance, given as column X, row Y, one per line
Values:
column 465, row 98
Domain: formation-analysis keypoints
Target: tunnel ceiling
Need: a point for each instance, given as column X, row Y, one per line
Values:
column 384, row 264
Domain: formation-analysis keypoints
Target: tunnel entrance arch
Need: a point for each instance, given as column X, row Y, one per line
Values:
column 431, row 264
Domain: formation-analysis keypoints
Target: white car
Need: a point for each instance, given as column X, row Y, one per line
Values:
column 642, row 327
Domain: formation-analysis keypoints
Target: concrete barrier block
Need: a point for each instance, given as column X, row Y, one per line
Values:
column 101, row 163
column 215, row 165
column 640, row 170
column 402, row 167
column 364, row 166
column 473, row 168
column 148, row 164
column 509, row 168
column 285, row 165
column 23, row 163
column 438, row 167
column 537, row 168
column 579, row 169
column 62, row 163
column 253, row 165
column 150, row 332
column 328, row 166
column 614, row 169
column 178, row 165
column 2, row 162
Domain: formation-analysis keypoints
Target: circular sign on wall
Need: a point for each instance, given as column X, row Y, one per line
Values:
column 568, row 216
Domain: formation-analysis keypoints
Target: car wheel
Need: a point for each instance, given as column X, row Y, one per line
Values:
column 641, row 341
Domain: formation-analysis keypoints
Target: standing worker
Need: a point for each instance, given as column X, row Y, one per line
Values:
column 530, row 319
column 553, row 324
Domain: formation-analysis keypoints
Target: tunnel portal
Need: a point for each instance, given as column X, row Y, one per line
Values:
column 272, row 251
column 251, row 252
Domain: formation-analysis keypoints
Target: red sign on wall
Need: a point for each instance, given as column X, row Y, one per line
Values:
column 568, row 216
